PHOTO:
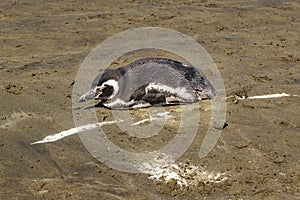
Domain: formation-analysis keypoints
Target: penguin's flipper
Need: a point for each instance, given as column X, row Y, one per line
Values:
column 154, row 98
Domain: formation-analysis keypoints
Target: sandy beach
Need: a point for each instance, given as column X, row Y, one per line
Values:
column 255, row 46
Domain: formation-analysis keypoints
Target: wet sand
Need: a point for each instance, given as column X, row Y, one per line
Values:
column 255, row 45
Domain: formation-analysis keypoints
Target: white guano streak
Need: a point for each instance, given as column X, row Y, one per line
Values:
column 164, row 168
column 271, row 96
column 79, row 129
column 267, row 96
column 72, row 131
column 152, row 118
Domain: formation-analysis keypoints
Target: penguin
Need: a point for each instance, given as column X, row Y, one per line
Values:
column 149, row 82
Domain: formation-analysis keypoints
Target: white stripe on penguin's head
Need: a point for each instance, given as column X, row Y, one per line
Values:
column 113, row 83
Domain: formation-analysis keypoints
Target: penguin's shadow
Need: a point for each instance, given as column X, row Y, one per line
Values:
column 98, row 105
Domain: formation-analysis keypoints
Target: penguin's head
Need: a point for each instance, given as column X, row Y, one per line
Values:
column 103, row 88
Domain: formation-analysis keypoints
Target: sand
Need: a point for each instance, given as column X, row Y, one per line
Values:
column 255, row 45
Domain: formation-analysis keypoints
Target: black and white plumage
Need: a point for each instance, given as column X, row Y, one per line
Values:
column 147, row 82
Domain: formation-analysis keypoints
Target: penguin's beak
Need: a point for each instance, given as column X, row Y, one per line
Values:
column 93, row 93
